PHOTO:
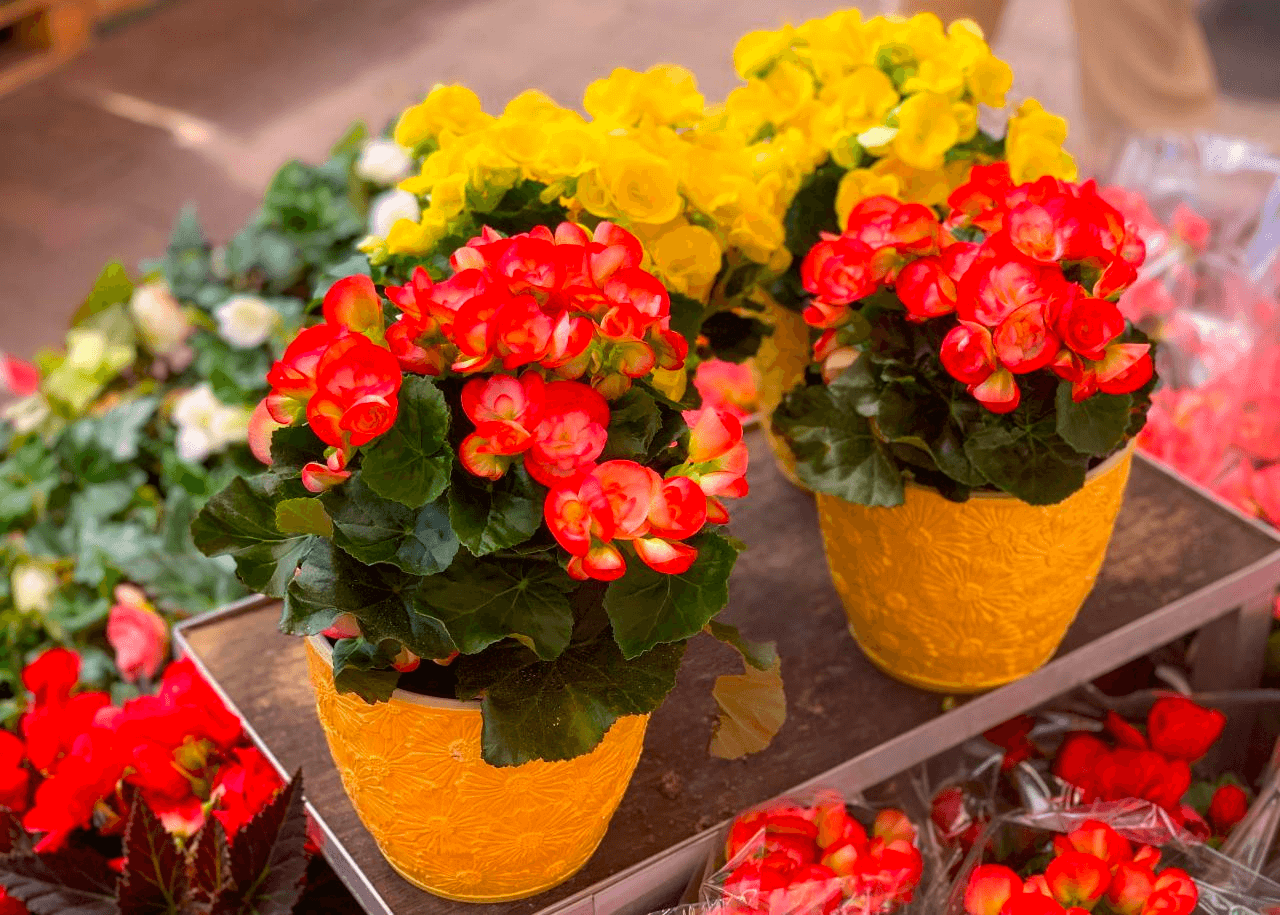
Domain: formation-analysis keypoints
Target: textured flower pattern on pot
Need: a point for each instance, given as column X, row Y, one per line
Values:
column 967, row 596
column 479, row 833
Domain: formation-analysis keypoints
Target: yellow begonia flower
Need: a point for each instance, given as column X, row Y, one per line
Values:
column 937, row 74
column 452, row 109
column 663, row 94
column 927, row 128
column 929, row 186
column 863, row 99
column 757, row 235
column 593, row 196
column 449, row 195
column 791, row 87
column 522, row 141
column 642, row 186
column 966, row 116
column 533, row 105
column 1033, row 145
column 671, row 382
column 568, row 151
column 835, row 44
column 490, row 173
column 408, row 237
column 989, row 79
column 859, row 184
column 756, row 52
column 688, row 258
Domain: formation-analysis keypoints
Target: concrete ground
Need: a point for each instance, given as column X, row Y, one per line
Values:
column 200, row 100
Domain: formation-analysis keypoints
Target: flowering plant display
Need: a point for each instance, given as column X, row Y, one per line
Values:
column 129, row 808
column 1092, row 868
column 979, row 350
column 1038, row 760
column 882, row 107
column 707, row 209
column 493, row 483
column 118, row 438
column 818, row 858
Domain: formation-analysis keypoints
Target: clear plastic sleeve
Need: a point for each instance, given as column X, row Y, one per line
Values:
column 1028, row 843
column 817, row 854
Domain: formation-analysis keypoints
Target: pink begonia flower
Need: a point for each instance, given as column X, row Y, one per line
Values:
column 1266, row 492
column 138, row 634
column 1133, row 207
column 18, row 377
column 1191, row 227
column 727, row 386
column 1146, row 298
column 1183, row 430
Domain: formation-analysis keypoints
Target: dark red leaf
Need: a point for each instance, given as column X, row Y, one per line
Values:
column 209, row 865
column 269, row 857
column 155, row 874
column 73, row 881
column 13, row 838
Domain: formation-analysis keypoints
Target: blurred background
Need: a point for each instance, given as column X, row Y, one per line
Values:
column 116, row 113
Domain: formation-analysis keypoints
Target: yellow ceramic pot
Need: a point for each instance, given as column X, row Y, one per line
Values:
column 962, row 597
column 448, row 822
column 779, row 366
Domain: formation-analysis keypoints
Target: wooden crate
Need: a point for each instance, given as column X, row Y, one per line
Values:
column 38, row 35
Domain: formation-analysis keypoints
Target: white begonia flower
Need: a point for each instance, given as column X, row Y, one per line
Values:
column 384, row 162
column 245, row 321
column 206, row 425
column 26, row 414
column 33, row 587
column 160, row 318
column 390, row 208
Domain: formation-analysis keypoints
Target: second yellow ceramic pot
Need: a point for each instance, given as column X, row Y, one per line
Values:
column 962, row 597
column 447, row 821
column 779, row 366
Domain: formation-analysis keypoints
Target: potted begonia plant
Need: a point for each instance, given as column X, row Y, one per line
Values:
column 968, row 418
column 498, row 538
column 882, row 106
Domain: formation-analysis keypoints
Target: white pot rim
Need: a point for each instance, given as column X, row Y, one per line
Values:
column 325, row 651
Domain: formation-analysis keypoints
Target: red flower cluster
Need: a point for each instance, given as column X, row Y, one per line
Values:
column 819, row 858
column 346, row 384
column 1091, row 864
column 1036, row 293
column 1155, row 767
column 570, row 303
column 180, row 748
column 560, row 429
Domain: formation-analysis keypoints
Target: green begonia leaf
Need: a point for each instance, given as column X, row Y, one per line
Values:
column 240, row 521
column 560, row 709
column 411, row 462
column 303, row 516
column 381, row 597
column 649, row 608
column 481, row 602
column 373, row 529
column 1096, row 426
column 836, row 450
column 1031, row 462
column 491, row 516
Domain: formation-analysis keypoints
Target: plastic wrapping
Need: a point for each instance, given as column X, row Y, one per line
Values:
column 1208, row 209
column 1028, row 843
column 818, row 854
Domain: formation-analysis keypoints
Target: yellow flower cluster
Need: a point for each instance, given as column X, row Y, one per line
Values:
column 888, row 99
column 689, row 195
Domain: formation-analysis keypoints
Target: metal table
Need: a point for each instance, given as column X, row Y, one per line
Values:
column 1179, row 562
